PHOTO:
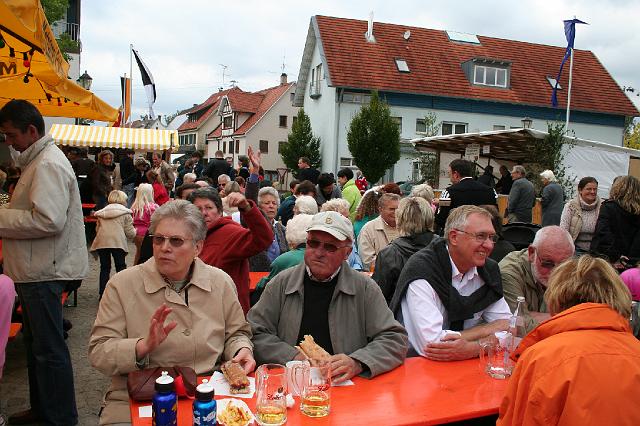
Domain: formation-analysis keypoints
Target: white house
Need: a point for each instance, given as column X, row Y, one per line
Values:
column 472, row 83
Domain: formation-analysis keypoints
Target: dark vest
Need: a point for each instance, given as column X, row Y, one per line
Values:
column 432, row 264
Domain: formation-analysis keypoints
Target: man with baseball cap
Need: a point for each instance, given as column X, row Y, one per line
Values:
column 342, row 309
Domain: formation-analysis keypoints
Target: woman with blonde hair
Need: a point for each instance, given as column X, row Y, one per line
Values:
column 582, row 366
column 617, row 233
column 142, row 209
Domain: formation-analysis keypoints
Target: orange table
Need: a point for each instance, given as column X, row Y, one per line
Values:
column 417, row 393
column 254, row 277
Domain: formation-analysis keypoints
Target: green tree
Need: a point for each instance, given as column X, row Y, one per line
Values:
column 54, row 10
column 549, row 154
column 428, row 161
column 301, row 143
column 374, row 139
column 632, row 136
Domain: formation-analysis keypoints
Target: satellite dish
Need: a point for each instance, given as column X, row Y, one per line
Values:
column 407, row 34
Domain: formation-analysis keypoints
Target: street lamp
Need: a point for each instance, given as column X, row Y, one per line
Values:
column 526, row 123
column 85, row 81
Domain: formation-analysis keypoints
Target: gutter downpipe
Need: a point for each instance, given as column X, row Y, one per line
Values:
column 337, row 131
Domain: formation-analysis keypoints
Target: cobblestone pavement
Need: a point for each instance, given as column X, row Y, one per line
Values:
column 90, row 384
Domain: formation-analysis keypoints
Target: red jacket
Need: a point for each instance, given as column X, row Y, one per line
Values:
column 229, row 246
column 581, row 367
column 160, row 195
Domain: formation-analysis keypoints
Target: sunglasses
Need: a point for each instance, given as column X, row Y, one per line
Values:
column 158, row 240
column 328, row 247
column 547, row 264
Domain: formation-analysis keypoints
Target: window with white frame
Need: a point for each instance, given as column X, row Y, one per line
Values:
column 264, row 147
column 498, row 127
column 346, row 162
column 356, row 98
column 490, row 76
column 421, row 125
column 450, row 128
column 552, row 82
column 227, row 122
column 402, row 65
column 282, row 121
column 398, row 121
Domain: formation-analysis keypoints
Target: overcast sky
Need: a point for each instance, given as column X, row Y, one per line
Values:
column 184, row 43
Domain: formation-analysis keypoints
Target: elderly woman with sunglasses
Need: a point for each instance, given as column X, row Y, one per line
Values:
column 171, row 310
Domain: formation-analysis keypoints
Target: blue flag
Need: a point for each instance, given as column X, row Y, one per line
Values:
column 570, row 33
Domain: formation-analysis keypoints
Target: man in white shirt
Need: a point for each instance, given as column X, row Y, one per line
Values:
column 449, row 294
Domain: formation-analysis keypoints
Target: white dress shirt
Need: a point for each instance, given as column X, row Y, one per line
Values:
column 425, row 317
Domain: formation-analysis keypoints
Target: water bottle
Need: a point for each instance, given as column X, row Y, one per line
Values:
column 204, row 406
column 165, row 402
column 518, row 322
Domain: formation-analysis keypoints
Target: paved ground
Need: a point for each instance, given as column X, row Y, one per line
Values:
column 90, row 384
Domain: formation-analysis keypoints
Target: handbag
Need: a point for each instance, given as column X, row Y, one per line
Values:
column 141, row 383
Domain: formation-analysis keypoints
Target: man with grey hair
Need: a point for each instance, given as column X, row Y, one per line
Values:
column 552, row 199
column 449, row 294
column 526, row 272
column 223, row 180
column 343, row 310
column 522, row 197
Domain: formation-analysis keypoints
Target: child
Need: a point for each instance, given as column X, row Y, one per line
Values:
column 115, row 226
column 142, row 208
column 160, row 195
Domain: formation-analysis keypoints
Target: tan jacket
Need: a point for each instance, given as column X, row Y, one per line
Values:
column 374, row 236
column 115, row 226
column 210, row 329
column 42, row 228
column 517, row 280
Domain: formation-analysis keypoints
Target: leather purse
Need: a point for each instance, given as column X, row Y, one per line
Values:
column 141, row 383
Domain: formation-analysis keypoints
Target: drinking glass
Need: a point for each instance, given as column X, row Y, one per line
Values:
column 315, row 395
column 271, row 389
column 495, row 355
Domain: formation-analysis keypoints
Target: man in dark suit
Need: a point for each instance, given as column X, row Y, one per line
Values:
column 463, row 191
column 306, row 172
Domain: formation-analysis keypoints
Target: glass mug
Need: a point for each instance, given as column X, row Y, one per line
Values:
column 495, row 353
column 271, row 390
column 313, row 384
column 296, row 376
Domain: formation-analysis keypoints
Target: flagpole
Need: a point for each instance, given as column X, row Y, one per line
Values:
column 131, row 82
column 569, row 91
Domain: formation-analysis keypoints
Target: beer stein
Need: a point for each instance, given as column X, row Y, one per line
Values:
column 315, row 382
column 271, row 390
column 495, row 355
column 296, row 377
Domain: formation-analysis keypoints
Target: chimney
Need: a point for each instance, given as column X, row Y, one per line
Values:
column 369, row 34
column 283, row 78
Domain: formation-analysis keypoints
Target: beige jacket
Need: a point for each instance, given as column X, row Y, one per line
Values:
column 210, row 329
column 374, row 236
column 115, row 226
column 517, row 280
column 42, row 228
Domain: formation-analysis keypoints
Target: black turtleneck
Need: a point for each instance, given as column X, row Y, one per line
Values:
column 315, row 314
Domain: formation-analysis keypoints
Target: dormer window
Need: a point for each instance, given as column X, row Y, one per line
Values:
column 552, row 82
column 402, row 65
column 227, row 122
column 490, row 76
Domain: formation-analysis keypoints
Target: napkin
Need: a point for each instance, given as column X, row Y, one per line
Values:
column 144, row 411
column 221, row 386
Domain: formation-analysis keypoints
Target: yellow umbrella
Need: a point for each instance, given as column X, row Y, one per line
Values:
column 33, row 68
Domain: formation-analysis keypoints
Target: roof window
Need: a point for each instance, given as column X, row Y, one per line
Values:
column 462, row 37
column 490, row 76
column 552, row 82
column 402, row 65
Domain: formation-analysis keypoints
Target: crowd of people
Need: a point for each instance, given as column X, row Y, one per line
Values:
column 372, row 274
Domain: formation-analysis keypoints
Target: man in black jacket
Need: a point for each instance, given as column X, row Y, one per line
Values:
column 464, row 191
column 306, row 172
column 216, row 167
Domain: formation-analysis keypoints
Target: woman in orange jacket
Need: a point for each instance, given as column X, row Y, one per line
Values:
column 582, row 366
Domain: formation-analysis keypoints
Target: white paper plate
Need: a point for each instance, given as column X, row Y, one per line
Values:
column 221, row 404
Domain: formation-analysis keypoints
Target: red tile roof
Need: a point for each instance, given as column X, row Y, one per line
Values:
column 435, row 67
column 257, row 103
column 207, row 108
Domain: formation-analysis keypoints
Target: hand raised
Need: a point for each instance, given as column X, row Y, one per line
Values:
column 158, row 332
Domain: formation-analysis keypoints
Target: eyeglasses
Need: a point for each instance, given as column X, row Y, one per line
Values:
column 158, row 240
column 481, row 237
column 328, row 247
column 547, row 264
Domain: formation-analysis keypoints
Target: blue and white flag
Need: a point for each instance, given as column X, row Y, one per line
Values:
column 570, row 33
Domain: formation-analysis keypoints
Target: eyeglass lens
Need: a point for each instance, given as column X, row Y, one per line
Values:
column 174, row 241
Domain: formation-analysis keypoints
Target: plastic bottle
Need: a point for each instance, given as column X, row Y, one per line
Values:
column 518, row 321
column 204, row 406
column 165, row 402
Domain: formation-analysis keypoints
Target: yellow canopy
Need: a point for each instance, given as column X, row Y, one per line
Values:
column 114, row 137
column 32, row 66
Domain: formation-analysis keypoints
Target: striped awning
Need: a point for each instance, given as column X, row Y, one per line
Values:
column 114, row 137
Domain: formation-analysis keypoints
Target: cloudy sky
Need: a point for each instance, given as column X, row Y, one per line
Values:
column 185, row 44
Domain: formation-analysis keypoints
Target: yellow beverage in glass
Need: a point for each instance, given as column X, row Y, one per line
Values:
column 315, row 403
column 271, row 414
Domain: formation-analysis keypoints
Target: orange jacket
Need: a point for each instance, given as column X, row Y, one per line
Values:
column 581, row 367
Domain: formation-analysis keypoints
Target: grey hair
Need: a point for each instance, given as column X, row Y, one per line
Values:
column 555, row 235
column 306, row 204
column 548, row 175
column 413, row 216
column 519, row 169
column 225, row 177
column 184, row 211
column 297, row 229
column 423, row 191
column 191, row 176
column 339, row 205
column 269, row 190
column 386, row 197
column 459, row 217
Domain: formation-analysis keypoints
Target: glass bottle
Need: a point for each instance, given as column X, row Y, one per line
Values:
column 518, row 321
